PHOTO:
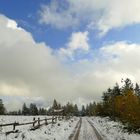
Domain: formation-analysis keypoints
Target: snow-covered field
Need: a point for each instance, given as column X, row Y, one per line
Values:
column 111, row 130
column 58, row 131
column 63, row 129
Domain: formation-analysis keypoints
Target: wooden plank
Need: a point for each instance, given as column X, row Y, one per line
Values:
column 1, row 125
column 26, row 123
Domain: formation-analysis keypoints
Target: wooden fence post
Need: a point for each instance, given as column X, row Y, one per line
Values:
column 38, row 121
column 14, row 126
column 34, row 122
column 46, row 123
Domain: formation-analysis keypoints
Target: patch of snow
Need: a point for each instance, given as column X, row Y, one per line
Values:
column 58, row 131
column 111, row 130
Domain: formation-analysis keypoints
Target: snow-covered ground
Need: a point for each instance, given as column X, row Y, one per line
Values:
column 86, row 132
column 59, row 131
column 63, row 129
column 111, row 130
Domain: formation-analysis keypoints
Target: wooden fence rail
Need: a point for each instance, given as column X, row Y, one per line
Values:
column 35, row 123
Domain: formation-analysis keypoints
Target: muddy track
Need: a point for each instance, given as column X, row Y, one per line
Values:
column 75, row 134
column 95, row 130
column 79, row 128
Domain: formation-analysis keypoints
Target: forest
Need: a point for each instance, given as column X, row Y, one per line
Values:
column 121, row 103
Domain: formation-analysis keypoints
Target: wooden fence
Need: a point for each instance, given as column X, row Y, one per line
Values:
column 35, row 124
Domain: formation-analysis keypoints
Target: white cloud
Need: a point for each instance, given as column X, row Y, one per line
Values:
column 119, row 13
column 13, row 25
column 99, row 14
column 50, row 15
column 31, row 69
column 28, row 68
column 123, row 57
column 116, row 61
column 78, row 42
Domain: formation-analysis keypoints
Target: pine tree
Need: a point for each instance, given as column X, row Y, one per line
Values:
column 76, row 111
column 137, row 90
column 128, row 85
column 69, row 109
column 83, row 111
column 19, row 112
column 33, row 109
column 116, row 90
column 42, row 111
column 122, row 103
column 25, row 110
column 55, row 105
column 2, row 108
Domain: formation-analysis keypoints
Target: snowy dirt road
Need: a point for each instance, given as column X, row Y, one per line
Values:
column 75, row 128
column 86, row 131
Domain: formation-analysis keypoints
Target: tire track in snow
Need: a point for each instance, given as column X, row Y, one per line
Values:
column 87, row 132
column 95, row 130
column 75, row 134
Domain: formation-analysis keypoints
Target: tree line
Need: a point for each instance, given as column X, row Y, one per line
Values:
column 68, row 109
column 121, row 103
column 32, row 109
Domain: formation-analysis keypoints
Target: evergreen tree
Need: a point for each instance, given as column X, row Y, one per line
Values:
column 116, row 90
column 137, row 90
column 83, row 111
column 94, row 108
column 33, row 109
column 69, row 109
column 25, row 110
column 55, row 105
column 2, row 108
column 19, row 112
column 122, row 103
column 76, row 111
column 91, row 109
column 59, row 106
column 128, row 85
column 42, row 111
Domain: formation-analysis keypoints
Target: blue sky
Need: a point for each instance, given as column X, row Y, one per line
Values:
column 26, row 13
column 89, row 46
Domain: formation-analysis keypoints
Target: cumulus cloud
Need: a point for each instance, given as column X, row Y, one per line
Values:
column 29, row 68
column 78, row 42
column 31, row 71
column 123, row 57
column 119, row 13
column 55, row 16
column 116, row 61
column 96, row 14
